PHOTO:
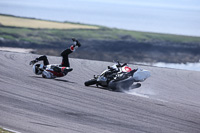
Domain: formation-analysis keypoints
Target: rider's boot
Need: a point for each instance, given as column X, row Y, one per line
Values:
column 33, row 62
column 76, row 42
column 75, row 45
column 66, row 70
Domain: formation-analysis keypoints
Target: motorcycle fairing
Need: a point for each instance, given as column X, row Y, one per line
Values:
column 140, row 75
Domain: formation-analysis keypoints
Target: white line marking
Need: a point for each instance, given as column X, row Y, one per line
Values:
column 11, row 130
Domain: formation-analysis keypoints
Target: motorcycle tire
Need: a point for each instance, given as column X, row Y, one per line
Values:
column 90, row 82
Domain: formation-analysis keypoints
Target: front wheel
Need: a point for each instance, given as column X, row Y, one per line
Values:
column 90, row 82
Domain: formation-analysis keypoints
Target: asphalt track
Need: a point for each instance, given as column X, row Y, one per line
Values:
column 167, row 102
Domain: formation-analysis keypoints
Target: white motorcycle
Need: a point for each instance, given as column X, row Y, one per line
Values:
column 118, row 77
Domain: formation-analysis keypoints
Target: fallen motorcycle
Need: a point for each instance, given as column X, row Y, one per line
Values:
column 119, row 77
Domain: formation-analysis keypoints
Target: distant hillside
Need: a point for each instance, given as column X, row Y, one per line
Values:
column 99, row 43
column 13, row 21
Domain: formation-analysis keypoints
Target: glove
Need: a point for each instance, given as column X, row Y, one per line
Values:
column 33, row 62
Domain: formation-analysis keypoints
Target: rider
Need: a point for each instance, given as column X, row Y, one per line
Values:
column 53, row 71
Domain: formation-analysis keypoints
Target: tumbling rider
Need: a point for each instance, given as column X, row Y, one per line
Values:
column 52, row 71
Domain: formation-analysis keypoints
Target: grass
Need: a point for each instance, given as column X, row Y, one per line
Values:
column 4, row 131
column 34, row 23
column 39, row 30
column 148, row 36
column 138, row 46
column 48, row 33
column 52, row 35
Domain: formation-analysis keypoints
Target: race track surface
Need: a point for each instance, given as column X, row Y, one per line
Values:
column 167, row 102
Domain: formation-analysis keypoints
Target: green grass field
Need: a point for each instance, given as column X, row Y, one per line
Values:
column 4, row 131
column 103, row 43
column 16, row 28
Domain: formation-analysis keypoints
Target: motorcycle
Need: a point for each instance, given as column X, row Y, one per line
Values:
column 119, row 77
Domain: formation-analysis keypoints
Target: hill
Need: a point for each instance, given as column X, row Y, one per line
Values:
column 39, row 24
column 99, row 43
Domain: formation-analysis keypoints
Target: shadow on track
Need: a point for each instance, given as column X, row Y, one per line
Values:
column 61, row 80
column 37, row 77
column 134, row 86
column 102, row 88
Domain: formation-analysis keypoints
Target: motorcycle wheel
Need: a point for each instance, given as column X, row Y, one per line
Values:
column 90, row 82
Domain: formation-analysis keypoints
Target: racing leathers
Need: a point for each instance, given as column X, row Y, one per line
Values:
column 55, row 70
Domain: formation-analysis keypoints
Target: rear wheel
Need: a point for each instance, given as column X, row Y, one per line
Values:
column 90, row 82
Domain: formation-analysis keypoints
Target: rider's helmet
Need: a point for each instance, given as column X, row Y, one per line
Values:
column 36, row 69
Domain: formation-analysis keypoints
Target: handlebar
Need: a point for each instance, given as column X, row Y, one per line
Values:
column 119, row 65
column 112, row 69
column 109, row 67
column 124, row 64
